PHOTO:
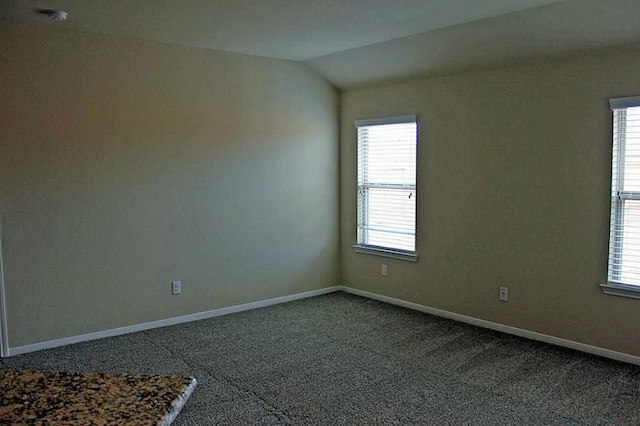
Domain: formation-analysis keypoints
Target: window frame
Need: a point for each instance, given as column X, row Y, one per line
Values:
column 614, row 286
column 361, row 247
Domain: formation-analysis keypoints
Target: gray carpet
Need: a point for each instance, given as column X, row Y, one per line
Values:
column 339, row 359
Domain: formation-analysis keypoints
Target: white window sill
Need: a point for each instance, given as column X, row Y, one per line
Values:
column 410, row 256
column 623, row 290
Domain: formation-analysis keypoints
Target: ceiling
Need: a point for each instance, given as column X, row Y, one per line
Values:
column 358, row 42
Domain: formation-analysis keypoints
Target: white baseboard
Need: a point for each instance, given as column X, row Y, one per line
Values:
column 618, row 356
column 165, row 322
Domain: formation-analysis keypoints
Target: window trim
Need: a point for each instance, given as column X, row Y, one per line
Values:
column 611, row 287
column 411, row 256
column 395, row 253
column 400, row 119
column 617, row 289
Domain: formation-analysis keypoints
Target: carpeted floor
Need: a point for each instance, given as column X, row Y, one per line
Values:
column 339, row 359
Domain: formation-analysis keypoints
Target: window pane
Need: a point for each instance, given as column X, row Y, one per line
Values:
column 391, row 154
column 392, row 210
column 626, row 267
column 382, row 239
column 631, row 128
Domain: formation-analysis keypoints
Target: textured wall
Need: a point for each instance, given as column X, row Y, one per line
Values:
column 513, row 190
column 127, row 164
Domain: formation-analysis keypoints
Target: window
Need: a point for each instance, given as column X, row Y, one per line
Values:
column 624, row 236
column 387, row 187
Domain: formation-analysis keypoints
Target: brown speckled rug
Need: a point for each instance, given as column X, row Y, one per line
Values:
column 38, row 398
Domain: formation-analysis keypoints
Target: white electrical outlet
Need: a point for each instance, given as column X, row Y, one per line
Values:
column 504, row 294
column 176, row 287
column 383, row 270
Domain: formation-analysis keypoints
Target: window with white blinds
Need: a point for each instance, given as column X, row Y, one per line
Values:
column 387, row 186
column 624, row 237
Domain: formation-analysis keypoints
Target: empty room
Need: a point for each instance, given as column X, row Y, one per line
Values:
column 300, row 212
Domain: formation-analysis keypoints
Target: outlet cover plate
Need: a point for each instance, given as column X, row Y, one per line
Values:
column 504, row 294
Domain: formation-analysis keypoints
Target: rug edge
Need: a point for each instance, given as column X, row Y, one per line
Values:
column 182, row 400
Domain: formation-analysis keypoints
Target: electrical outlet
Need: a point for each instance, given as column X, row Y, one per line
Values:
column 383, row 270
column 504, row 294
column 176, row 287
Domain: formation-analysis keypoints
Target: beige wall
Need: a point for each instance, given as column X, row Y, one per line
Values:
column 127, row 164
column 513, row 186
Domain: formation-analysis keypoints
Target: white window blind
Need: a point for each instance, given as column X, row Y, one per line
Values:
column 624, row 236
column 387, row 184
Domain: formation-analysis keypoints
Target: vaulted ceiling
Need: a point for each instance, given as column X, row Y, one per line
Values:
column 359, row 42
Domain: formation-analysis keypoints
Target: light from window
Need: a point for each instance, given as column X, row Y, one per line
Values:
column 624, row 237
column 387, row 185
